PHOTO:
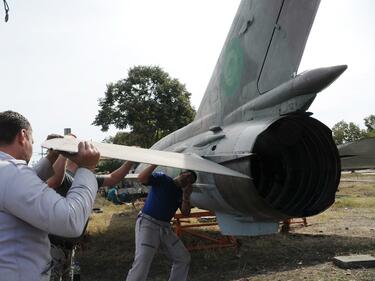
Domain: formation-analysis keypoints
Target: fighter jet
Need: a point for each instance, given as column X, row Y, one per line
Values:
column 260, row 156
column 358, row 155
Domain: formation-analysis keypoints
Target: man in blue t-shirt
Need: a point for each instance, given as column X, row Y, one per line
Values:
column 153, row 229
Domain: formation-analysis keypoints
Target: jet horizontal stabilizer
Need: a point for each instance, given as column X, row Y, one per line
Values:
column 148, row 156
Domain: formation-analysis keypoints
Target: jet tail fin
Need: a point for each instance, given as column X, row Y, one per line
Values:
column 263, row 50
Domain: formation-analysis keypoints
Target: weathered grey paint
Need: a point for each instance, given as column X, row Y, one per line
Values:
column 358, row 155
column 256, row 104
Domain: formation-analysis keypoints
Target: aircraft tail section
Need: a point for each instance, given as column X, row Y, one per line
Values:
column 263, row 50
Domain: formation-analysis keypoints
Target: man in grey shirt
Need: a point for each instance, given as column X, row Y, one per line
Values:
column 29, row 209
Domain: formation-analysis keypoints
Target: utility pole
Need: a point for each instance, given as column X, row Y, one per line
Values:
column 67, row 131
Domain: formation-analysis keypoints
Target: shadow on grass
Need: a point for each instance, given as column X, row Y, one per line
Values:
column 109, row 255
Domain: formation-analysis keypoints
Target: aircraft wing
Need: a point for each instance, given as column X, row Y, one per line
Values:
column 148, row 156
column 358, row 155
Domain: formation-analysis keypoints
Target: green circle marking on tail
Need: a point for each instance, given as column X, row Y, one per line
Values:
column 233, row 63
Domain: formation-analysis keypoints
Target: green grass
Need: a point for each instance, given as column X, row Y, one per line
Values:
column 350, row 202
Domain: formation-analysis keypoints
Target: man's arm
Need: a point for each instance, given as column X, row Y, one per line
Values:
column 59, row 168
column 185, row 205
column 117, row 175
column 144, row 176
column 29, row 199
column 44, row 166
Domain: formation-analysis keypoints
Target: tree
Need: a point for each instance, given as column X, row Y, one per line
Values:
column 124, row 138
column 354, row 133
column 370, row 123
column 338, row 132
column 148, row 102
column 346, row 132
column 106, row 166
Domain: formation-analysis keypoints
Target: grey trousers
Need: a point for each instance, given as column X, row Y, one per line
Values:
column 150, row 235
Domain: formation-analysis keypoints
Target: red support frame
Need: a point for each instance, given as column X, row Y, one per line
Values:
column 182, row 225
column 285, row 224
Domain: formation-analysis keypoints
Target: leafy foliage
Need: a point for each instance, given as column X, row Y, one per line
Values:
column 370, row 123
column 108, row 166
column 347, row 132
column 371, row 134
column 148, row 102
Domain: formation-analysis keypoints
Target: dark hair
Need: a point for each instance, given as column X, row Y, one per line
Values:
column 194, row 174
column 11, row 123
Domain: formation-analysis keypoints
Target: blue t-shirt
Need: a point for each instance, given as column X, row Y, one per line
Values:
column 164, row 197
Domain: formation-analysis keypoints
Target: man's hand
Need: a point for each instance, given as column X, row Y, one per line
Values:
column 52, row 154
column 54, row 136
column 87, row 156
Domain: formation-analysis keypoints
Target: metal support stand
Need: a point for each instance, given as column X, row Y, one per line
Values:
column 182, row 224
column 285, row 225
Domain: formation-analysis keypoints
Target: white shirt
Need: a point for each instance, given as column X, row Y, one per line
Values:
column 29, row 210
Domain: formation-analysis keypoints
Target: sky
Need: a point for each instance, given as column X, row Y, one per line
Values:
column 56, row 57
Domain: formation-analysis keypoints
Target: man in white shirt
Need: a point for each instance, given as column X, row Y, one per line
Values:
column 29, row 209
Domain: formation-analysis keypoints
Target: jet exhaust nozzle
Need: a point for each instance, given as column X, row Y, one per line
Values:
column 294, row 166
column 297, row 167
